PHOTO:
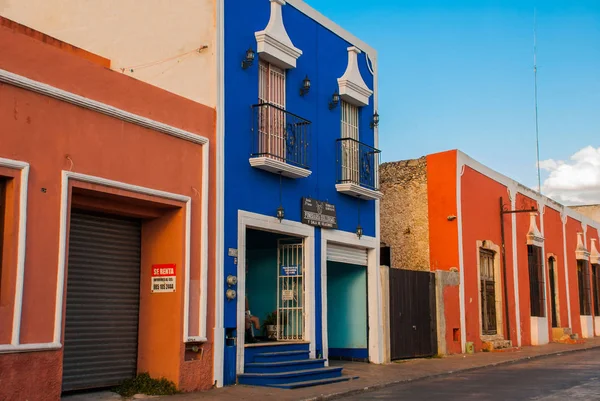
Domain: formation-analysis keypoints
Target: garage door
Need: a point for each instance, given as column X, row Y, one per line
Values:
column 346, row 254
column 103, row 291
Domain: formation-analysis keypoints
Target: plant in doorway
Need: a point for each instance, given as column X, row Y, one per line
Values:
column 271, row 326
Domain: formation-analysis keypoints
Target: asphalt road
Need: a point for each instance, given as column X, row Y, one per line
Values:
column 572, row 377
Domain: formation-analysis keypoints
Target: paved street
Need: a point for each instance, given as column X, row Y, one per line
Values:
column 572, row 377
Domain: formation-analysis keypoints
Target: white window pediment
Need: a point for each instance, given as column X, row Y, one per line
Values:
column 273, row 43
column 581, row 252
column 352, row 87
column 534, row 236
column 594, row 254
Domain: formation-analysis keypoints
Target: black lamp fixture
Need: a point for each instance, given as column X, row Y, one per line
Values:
column 375, row 122
column 249, row 59
column 305, row 86
column 335, row 100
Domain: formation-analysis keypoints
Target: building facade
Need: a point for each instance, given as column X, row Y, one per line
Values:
column 106, row 208
column 300, row 99
column 462, row 215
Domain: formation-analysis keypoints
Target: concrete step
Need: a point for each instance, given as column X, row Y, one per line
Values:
column 284, row 366
column 560, row 332
column 311, row 383
column 271, row 379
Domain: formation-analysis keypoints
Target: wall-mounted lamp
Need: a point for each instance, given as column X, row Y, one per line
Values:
column 305, row 86
column 451, row 218
column 230, row 294
column 335, row 100
column 359, row 231
column 375, row 122
column 249, row 59
column 280, row 213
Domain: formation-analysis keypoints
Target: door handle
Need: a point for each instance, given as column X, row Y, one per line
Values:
column 414, row 327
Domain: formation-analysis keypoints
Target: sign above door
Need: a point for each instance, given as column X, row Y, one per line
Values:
column 318, row 213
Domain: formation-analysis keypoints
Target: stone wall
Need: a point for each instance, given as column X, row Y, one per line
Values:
column 591, row 211
column 404, row 215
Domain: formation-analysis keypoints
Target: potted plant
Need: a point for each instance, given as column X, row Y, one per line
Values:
column 270, row 325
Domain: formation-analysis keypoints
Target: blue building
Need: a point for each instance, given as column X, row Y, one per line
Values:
column 301, row 211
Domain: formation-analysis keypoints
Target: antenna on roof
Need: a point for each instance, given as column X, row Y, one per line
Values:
column 537, row 132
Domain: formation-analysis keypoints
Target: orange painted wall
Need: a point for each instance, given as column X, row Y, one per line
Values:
column 591, row 233
column 443, row 234
column 553, row 244
column 43, row 132
column 573, row 227
column 480, row 198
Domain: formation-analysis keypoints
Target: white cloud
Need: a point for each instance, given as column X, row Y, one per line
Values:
column 576, row 181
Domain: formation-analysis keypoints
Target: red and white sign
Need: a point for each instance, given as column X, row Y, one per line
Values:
column 164, row 278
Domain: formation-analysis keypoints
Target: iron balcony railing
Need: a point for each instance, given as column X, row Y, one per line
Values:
column 358, row 163
column 280, row 135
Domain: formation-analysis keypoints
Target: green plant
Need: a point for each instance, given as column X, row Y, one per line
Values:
column 144, row 384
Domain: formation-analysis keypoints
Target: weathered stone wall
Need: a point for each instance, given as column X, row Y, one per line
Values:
column 404, row 216
column 591, row 211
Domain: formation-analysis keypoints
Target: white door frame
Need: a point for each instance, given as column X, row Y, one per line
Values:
column 371, row 245
column 287, row 227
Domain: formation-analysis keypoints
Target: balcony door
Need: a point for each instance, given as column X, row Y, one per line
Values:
column 350, row 148
column 272, row 124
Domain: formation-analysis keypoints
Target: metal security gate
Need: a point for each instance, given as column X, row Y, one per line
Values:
column 413, row 330
column 103, row 291
column 290, row 290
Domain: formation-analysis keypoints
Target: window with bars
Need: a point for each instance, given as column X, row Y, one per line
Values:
column 3, row 182
column 350, row 148
column 272, row 117
column 596, row 285
column 583, row 281
column 536, row 281
column 488, row 292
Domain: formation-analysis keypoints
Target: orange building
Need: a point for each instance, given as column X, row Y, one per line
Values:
column 452, row 214
column 105, row 210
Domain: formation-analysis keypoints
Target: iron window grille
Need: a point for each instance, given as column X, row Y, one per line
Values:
column 280, row 135
column 583, row 281
column 358, row 163
column 536, row 281
column 488, row 292
column 596, row 284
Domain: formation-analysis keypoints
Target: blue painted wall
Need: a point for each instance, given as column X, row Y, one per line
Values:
column 324, row 60
column 346, row 305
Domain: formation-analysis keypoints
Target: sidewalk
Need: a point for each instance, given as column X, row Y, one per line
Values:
column 373, row 377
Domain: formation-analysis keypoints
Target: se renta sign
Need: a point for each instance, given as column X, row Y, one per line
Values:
column 319, row 214
column 164, row 278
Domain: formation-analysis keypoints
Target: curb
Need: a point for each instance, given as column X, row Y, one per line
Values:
column 380, row 386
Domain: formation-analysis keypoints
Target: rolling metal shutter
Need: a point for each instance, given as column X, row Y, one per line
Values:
column 346, row 254
column 103, row 298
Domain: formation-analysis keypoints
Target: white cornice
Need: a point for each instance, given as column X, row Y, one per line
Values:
column 77, row 100
column 278, row 167
column 352, row 189
column 581, row 251
column 534, row 236
column 273, row 43
column 594, row 254
column 352, row 87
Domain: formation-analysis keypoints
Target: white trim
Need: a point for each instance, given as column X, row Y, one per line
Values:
column 352, row 189
column 77, row 100
column 594, row 254
column 587, row 326
column 540, row 333
column 539, row 330
column 267, row 223
column 310, row 12
column 21, row 245
column 64, row 217
column 371, row 245
column 14, row 348
column 564, row 219
column 219, row 332
column 460, row 168
column 534, row 236
column 276, row 166
column 513, row 203
column 352, row 87
column 581, row 252
column 273, row 43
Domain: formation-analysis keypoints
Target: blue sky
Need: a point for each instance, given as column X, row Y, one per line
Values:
column 459, row 74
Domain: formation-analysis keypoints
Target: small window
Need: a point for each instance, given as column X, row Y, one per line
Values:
column 349, row 121
column 536, row 281
column 583, row 280
column 272, row 117
column 596, row 286
column 350, row 145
